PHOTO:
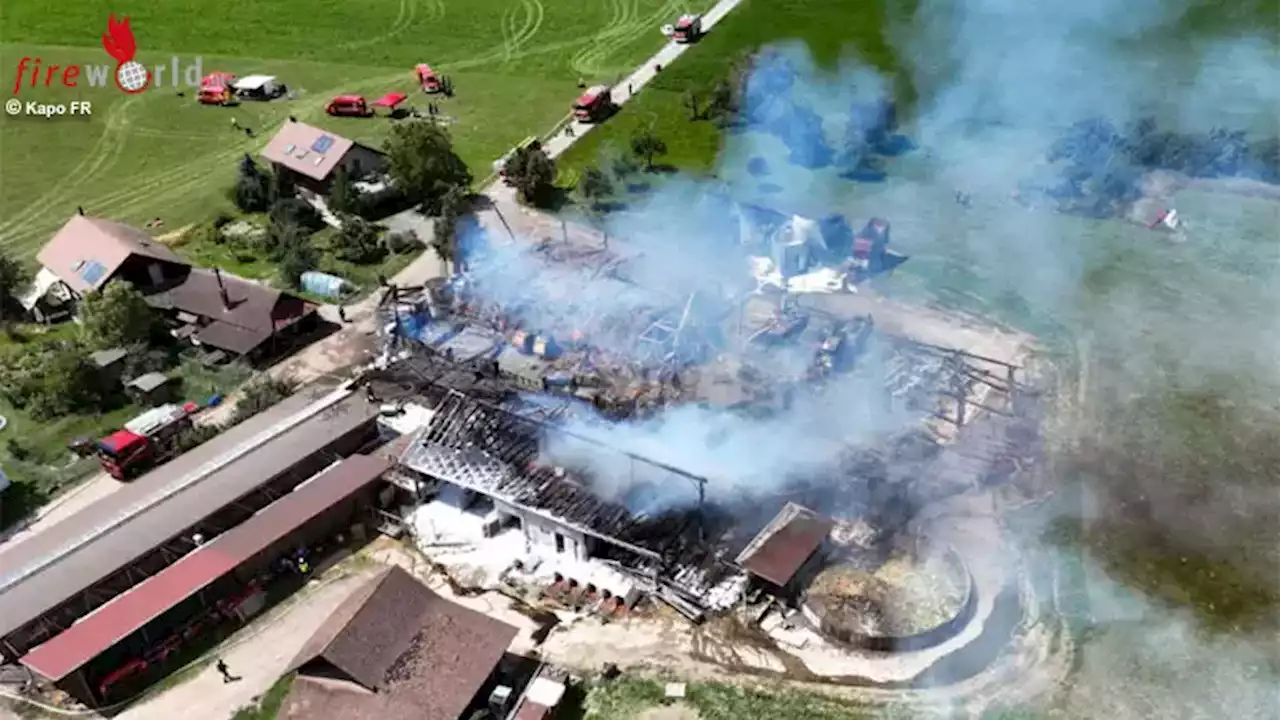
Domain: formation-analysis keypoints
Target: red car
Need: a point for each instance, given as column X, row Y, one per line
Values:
column 348, row 106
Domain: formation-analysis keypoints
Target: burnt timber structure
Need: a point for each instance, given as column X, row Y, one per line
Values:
column 493, row 451
column 66, row 572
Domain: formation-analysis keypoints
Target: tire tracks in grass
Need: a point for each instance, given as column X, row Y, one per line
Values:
column 603, row 36
column 584, row 61
column 197, row 173
column 103, row 149
column 628, row 25
column 515, row 39
column 404, row 18
column 182, row 179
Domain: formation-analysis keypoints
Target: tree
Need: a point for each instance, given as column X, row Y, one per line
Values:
column 282, row 185
column 259, row 394
column 533, row 173
column 13, row 280
column 296, row 254
column 444, row 239
column 594, row 186
column 50, row 378
column 423, row 162
column 693, row 103
column 253, row 191
column 292, row 220
column 720, row 103
column 344, row 197
column 116, row 316
column 357, row 241
column 647, row 146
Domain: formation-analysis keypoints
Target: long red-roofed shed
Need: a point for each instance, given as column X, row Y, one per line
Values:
column 126, row 614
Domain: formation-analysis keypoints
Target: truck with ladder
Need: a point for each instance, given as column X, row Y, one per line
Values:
column 145, row 441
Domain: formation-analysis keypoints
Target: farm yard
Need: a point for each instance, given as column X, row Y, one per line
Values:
column 515, row 65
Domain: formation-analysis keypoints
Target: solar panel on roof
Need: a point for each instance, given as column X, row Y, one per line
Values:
column 93, row 272
column 322, row 143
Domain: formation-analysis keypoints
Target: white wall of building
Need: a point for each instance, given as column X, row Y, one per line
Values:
column 542, row 534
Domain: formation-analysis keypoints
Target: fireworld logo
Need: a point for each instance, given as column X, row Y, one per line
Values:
column 131, row 77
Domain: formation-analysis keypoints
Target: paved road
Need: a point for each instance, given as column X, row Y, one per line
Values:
column 625, row 90
column 354, row 344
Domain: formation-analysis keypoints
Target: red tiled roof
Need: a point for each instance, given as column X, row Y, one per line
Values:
column 785, row 544
column 87, row 251
column 295, row 147
column 395, row 650
column 130, row 612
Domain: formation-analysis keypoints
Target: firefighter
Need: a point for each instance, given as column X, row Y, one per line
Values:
column 225, row 671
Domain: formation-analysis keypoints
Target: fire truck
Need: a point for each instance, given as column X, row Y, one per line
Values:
column 145, row 441
column 427, row 78
column 594, row 104
column 688, row 29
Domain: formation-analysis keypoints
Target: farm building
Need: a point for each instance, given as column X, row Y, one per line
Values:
column 234, row 316
column 89, row 252
column 311, row 156
column 787, row 552
column 395, row 650
column 106, row 601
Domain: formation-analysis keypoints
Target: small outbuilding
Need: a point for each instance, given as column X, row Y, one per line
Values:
column 150, row 389
column 785, row 556
column 395, row 650
column 110, row 365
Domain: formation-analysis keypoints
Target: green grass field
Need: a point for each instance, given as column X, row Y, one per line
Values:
column 515, row 65
column 832, row 30
column 626, row 698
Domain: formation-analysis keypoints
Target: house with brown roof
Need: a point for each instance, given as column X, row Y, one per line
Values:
column 786, row 554
column 89, row 252
column 232, row 315
column 395, row 650
column 311, row 156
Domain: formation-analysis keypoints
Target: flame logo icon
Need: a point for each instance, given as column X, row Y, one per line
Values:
column 131, row 76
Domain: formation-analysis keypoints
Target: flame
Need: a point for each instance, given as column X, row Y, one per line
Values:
column 118, row 40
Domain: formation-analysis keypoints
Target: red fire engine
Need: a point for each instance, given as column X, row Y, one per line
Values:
column 594, row 104
column 688, row 29
column 427, row 78
column 147, row 440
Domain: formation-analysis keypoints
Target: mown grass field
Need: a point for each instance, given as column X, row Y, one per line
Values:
column 515, row 65
column 627, row 698
column 832, row 30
